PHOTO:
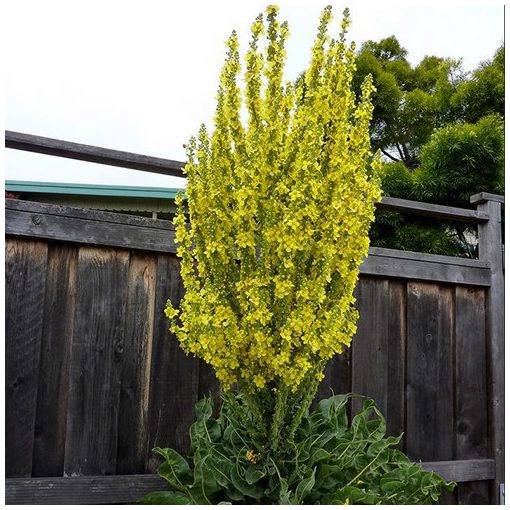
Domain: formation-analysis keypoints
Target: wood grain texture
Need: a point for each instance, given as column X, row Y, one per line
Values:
column 424, row 268
column 95, row 229
column 25, row 281
column 174, row 376
column 430, row 397
column 57, row 332
column 96, row 364
column 134, row 394
column 471, row 387
column 491, row 251
column 82, row 490
column 40, row 209
column 434, row 210
column 378, row 349
column 93, row 154
column 463, row 470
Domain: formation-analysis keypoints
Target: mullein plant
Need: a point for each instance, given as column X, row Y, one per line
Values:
column 271, row 235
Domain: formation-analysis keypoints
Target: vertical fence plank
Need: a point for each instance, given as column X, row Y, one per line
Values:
column 377, row 349
column 430, row 375
column 134, row 394
column 57, row 331
column 471, row 387
column 25, row 280
column 174, row 376
column 430, row 372
column 96, row 362
column 490, row 248
column 396, row 359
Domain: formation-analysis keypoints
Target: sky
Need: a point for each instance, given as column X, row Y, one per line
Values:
column 142, row 76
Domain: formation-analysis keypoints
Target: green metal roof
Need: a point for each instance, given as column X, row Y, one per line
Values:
column 58, row 188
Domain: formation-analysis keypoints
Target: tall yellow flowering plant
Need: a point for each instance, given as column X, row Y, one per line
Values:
column 271, row 238
column 279, row 211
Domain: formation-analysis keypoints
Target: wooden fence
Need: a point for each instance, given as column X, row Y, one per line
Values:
column 94, row 379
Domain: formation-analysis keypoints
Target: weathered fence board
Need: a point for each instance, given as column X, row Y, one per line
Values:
column 471, row 387
column 377, row 349
column 133, row 421
column 172, row 372
column 429, row 372
column 53, row 388
column 96, row 364
column 491, row 250
column 25, row 280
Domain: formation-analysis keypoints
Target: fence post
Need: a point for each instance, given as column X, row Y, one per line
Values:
column 490, row 249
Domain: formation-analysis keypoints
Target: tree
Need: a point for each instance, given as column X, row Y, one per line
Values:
column 441, row 132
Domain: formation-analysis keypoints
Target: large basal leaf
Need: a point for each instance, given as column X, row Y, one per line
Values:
column 304, row 488
column 175, row 470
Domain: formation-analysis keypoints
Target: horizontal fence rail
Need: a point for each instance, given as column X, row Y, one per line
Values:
column 92, row 154
column 60, row 223
column 118, row 489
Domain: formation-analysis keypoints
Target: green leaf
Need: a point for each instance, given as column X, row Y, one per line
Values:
column 164, row 498
column 284, row 495
column 392, row 485
column 334, row 409
column 204, row 409
column 244, row 487
column 254, row 474
column 304, row 488
column 320, row 455
column 175, row 470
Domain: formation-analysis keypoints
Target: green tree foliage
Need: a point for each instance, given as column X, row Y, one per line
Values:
column 441, row 132
column 460, row 160
column 484, row 93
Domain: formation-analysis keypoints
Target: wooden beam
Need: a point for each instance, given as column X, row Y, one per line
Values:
column 87, row 226
column 427, row 257
column 486, row 197
column 463, row 470
column 91, row 227
column 436, row 211
column 82, row 152
column 81, row 490
column 117, row 489
column 491, row 251
column 427, row 267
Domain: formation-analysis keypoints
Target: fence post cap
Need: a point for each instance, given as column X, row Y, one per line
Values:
column 482, row 197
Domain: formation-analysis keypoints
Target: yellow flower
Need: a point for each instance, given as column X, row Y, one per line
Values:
column 252, row 457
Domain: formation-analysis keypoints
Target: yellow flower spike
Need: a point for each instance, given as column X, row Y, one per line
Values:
column 275, row 220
